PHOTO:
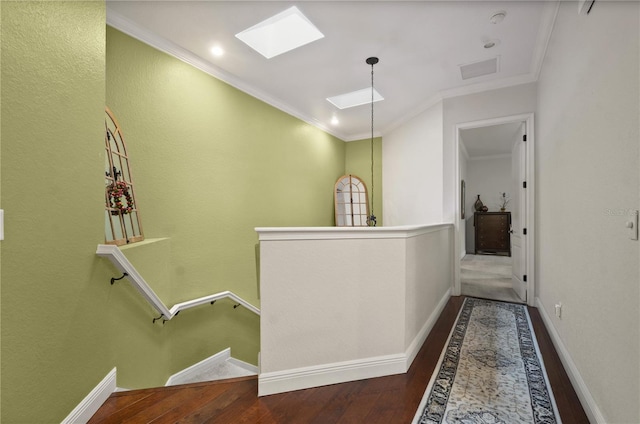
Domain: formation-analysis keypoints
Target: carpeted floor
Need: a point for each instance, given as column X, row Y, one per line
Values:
column 488, row 277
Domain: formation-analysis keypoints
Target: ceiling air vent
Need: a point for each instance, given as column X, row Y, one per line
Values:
column 478, row 69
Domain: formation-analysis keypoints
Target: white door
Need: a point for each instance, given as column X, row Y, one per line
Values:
column 518, row 218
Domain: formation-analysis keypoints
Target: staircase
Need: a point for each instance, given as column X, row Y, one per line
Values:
column 220, row 366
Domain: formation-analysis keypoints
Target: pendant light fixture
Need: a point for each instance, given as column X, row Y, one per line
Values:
column 371, row 220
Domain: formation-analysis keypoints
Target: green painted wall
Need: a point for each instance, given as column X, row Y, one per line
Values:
column 358, row 162
column 55, row 324
column 156, row 271
column 210, row 163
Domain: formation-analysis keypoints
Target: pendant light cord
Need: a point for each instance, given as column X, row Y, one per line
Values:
column 372, row 182
column 372, row 218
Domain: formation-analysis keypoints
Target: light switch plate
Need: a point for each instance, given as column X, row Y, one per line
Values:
column 632, row 225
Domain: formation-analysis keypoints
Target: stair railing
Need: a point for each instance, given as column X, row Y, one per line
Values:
column 120, row 261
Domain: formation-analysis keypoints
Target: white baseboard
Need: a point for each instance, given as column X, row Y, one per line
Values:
column 586, row 400
column 418, row 341
column 195, row 369
column 203, row 366
column 244, row 365
column 94, row 400
column 322, row 375
column 342, row 372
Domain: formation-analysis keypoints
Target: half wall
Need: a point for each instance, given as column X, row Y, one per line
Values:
column 344, row 304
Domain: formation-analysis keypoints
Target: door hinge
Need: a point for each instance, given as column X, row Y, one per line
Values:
column 524, row 137
column 524, row 184
column 524, row 278
column 524, row 231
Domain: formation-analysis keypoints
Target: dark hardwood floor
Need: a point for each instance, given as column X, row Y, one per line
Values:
column 385, row 400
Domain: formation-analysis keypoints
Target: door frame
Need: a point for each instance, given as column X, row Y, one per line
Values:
column 528, row 222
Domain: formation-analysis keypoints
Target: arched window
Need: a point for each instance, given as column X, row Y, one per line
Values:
column 352, row 202
column 122, row 220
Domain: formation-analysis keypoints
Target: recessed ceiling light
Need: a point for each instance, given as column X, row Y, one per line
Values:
column 498, row 17
column 335, row 121
column 355, row 98
column 281, row 33
column 217, row 51
column 488, row 44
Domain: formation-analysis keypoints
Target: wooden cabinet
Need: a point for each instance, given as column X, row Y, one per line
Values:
column 493, row 233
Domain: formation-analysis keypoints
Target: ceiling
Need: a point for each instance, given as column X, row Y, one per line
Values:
column 491, row 141
column 420, row 44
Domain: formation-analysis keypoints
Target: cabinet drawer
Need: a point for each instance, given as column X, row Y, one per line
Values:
column 492, row 232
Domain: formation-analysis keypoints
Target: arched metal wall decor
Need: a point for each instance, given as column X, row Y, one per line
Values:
column 122, row 218
column 351, row 202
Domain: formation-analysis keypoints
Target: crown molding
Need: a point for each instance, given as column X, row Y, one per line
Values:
column 461, row 91
column 488, row 157
column 550, row 12
column 361, row 136
column 488, row 86
column 549, row 15
column 124, row 25
column 423, row 107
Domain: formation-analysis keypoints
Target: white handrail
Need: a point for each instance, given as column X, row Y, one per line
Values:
column 121, row 262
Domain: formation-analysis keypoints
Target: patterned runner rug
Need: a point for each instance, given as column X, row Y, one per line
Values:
column 490, row 371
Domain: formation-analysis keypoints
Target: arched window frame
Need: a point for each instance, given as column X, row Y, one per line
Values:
column 122, row 217
column 351, row 202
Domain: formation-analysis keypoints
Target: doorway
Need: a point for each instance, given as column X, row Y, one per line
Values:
column 494, row 159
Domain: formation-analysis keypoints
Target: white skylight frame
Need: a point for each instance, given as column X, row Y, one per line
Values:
column 355, row 98
column 281, row 33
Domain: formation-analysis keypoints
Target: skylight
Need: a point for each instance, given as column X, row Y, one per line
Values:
column 281, row 33
column 355, row 98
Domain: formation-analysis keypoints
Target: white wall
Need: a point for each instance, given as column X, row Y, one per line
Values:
column 412, row 178
column 429, row 270
column 587, row 181
column 342, row 304
column 499, row 103
column 488, row 177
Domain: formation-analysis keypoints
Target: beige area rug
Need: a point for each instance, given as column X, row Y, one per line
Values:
column 488, row 277
column 490, row 371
